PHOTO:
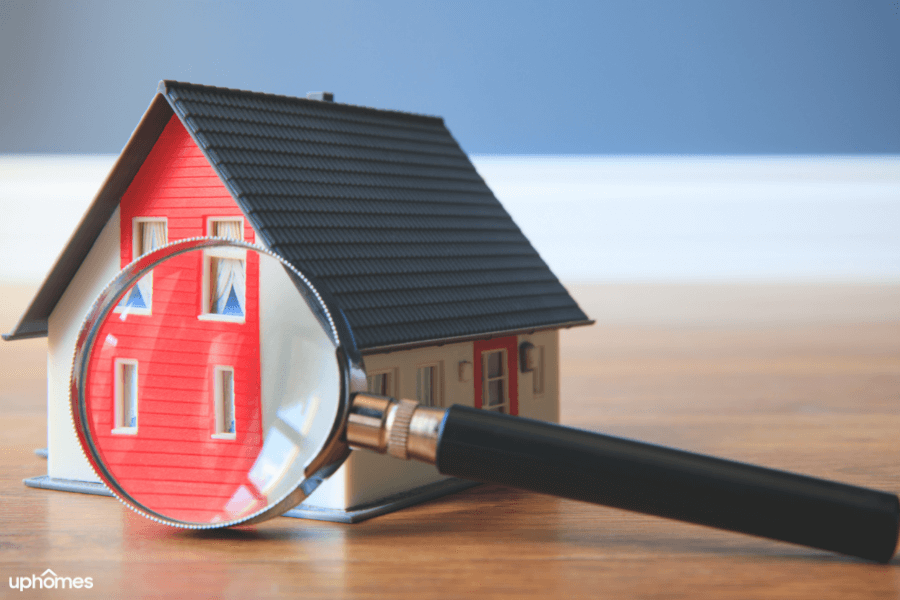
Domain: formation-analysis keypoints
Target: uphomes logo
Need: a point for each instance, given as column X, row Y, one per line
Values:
column 48, row 580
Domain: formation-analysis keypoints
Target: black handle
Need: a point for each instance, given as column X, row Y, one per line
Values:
column 552, row 459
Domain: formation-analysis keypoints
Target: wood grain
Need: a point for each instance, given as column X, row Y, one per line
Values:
column 821, row 398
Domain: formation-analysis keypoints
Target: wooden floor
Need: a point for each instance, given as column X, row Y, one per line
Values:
column 754, row 374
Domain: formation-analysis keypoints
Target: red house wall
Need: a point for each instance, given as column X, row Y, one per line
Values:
column 172, row 464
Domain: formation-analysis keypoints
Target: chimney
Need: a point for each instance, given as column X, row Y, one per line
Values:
column 323, row 96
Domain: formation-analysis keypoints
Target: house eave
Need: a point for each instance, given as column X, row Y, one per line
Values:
column 26, row 331
column 472, row 337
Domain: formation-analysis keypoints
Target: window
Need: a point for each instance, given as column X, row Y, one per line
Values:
column 537, row 370
column 229, row 228
column 225, row 285
column 495, row 394
column 382, row 383
column 496, row 365
column 147, row 234
column 223, row 402
column 125, row 410
column 428, row 385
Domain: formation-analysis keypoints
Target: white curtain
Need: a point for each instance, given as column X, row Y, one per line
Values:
column 228, row 229
column 151, row 235
column 228, row 272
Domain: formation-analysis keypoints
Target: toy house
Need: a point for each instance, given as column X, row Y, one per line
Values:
column 447, row 299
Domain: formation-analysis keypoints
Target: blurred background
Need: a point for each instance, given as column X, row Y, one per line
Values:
column 637, row 143
column 717, row 182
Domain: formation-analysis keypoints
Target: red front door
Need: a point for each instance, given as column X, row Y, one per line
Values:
column 496, row 375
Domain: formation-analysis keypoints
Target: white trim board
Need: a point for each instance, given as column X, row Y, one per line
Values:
column 619, row 218
column 772, row 218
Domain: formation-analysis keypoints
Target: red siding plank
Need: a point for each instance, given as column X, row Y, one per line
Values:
column 198, row 192
column 165, row 474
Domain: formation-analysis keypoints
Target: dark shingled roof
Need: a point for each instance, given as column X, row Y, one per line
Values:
column 382, row 208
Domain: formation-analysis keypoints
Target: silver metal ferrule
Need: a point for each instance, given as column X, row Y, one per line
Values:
column 400, row 428
column 423, row 433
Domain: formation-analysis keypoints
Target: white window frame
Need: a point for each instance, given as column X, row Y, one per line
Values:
column 119, row 396
column 220, row 429
column 208, row 257
column 504, row 377
column 437, row 383
column 137, row 236
column 391, row 387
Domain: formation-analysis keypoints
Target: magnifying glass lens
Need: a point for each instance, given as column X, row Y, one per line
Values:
column 209, row 387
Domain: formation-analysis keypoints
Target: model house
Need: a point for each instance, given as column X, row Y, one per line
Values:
column 447, row 299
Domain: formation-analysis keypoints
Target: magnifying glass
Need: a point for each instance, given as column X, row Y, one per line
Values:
column 214, row 384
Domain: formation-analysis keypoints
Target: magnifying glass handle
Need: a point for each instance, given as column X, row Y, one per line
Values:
column 553, row 459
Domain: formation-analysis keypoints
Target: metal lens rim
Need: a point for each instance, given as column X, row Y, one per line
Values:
column 334, row 450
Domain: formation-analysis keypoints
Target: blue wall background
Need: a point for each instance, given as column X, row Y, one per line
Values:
column 563, row 77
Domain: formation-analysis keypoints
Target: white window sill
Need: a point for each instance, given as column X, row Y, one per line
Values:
column 127, row 311
column 223, row 436
column 222, row 318
column 125, row 431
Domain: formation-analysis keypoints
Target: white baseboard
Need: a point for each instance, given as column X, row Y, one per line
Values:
column 811, row 218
